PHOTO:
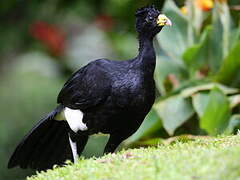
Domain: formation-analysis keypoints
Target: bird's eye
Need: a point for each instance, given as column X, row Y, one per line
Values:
column 150, row 18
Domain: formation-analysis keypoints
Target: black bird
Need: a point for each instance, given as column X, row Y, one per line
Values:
column 106, row 96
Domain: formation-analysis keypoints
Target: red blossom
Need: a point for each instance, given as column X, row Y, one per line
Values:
column 104, row 22
column 49, row 35
column 204, row 5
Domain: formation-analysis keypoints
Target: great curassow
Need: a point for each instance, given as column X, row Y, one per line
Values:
column 106, row 96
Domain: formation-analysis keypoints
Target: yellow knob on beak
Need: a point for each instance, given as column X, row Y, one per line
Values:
column 162, row 20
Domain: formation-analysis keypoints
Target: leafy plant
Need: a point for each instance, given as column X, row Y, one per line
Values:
column 197, row 71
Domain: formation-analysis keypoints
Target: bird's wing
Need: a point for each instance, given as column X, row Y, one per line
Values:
column 86, row 88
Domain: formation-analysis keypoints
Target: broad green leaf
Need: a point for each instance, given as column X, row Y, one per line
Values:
column 164, row 67
column 216, row 115
column 234, row 37
column 200, row 102
column 234, row 100
column 229, row 70
column 234, row 122
column 197, row 55
column 174, row 40
column 216, row 40
column 195, row 17
column 203, row 87
column 221, row 34
column 173, row 111
column 190, row 54
column 151, row 124
column 225, row 18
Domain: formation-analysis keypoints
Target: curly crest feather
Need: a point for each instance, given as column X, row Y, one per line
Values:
column 145, row 9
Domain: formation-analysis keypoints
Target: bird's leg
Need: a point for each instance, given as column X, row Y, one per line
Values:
column 77, row 143
column 113, row 143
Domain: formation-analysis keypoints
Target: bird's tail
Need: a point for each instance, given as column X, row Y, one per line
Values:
column 46, row 144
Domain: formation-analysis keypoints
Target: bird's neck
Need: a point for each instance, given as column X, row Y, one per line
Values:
column 146, row 56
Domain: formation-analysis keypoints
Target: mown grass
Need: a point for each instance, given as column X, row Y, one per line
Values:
column 198, row 159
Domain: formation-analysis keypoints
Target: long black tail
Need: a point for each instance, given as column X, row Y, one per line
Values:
column 46, row 144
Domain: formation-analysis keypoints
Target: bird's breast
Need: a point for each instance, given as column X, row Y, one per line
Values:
column 134, row 92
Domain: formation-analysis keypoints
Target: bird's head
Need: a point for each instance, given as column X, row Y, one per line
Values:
column 150, row 21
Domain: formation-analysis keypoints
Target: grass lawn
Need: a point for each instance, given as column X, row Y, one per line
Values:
column 182, row 159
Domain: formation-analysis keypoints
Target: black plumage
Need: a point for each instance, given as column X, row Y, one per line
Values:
column 114, row 97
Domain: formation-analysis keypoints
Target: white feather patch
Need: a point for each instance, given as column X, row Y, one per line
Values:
column 74, row 150
column 74, row 118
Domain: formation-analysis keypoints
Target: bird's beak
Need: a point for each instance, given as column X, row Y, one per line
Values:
column 162, row 20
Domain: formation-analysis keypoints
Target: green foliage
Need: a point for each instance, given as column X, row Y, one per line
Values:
column 229, row 71
column 234, row 123
column 174, row 111
column 197, row 71
column 182, row 158
column 216, row 113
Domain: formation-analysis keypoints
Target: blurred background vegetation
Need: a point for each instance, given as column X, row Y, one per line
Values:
column 197, row 74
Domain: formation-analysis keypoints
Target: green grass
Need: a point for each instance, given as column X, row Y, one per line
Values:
column 183, row 159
